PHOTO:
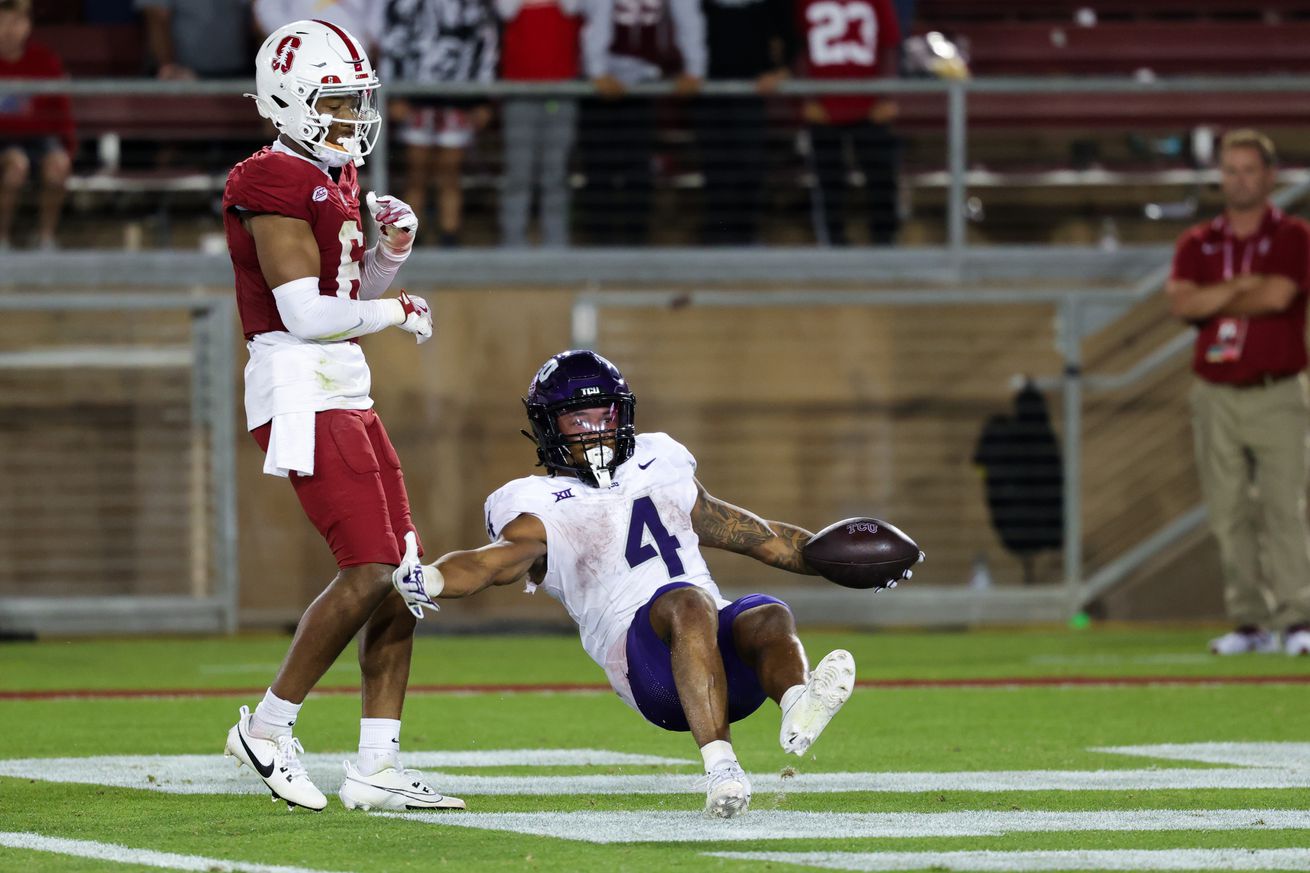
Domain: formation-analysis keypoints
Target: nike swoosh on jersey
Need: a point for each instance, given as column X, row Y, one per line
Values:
column 647, row 464
column 263, row 770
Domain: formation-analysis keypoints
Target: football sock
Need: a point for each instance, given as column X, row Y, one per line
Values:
column 716, row 753
column 379, row 744
column 273, row 717
column 789, row 697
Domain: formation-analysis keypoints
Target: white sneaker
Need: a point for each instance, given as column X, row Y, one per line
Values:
column 1241, row 642
column 727, row 790
column 277, row 764
column 829, row 687
column 1297, row 642
column 392, row 789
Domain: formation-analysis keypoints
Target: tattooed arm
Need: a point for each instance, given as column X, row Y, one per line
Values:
column 734, row 529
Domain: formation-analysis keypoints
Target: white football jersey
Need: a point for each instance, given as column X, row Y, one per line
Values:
column 609, row 550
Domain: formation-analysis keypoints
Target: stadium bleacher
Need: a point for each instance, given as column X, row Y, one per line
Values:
column 1019, row 134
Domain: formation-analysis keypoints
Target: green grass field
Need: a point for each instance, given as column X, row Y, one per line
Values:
column 908, row 777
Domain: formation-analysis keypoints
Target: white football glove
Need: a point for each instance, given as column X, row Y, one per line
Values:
column 417, row 316
column 396, row 222
column 417, row 584
column 905, row 576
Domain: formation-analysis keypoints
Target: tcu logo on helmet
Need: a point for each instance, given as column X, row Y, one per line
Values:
column 866, row 526
column 286, row 53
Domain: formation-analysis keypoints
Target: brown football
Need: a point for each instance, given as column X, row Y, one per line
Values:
column 861, row 553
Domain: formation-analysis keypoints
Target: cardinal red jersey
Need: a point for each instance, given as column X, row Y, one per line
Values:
column 846, row 39
column 274, row 181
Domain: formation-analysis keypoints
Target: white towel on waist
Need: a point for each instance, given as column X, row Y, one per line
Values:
column 291, row 445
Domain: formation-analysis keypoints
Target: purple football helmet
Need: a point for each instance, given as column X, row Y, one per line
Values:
column 581, row 379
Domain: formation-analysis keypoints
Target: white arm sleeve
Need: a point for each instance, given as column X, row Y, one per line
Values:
column 311, row 316
column 379, row 271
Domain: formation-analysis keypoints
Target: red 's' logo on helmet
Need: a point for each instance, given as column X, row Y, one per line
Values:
column 286, row 53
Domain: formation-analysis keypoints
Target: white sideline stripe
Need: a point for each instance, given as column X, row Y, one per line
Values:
column 138, row 857
column 1278, row 766
column 694, row 827
column 1100, row 859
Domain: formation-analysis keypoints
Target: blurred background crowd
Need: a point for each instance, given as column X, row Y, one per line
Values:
column 695, row 166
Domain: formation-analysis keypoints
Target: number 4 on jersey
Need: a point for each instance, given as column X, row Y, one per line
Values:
column 646, row 518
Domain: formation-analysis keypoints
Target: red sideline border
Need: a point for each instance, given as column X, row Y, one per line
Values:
column 511, row 688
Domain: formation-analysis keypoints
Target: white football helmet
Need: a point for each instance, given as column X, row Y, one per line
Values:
column 304, row 61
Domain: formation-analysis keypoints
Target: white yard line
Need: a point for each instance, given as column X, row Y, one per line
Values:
column 1257, row 765
column 213, row 774
column 138, row 857
column 1275, row 755
column 260, row 669
column 763, row 824
column 1115, row 660
column 1111, row 859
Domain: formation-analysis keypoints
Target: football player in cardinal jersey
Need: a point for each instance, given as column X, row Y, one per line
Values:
column 614, row 533
column 306, row 288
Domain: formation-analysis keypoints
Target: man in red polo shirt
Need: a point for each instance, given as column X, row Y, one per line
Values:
column 1242, row 279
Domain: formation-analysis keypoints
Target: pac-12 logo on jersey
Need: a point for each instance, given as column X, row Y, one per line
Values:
column 286, row 53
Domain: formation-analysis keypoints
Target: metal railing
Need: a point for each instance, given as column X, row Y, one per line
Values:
column 957, row 96
column 1071, row 308
column 175, row 566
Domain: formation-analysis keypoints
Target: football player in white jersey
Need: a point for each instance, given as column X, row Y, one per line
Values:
column 614, row 533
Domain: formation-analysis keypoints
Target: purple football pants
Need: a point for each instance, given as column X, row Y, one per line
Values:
column 650, row 665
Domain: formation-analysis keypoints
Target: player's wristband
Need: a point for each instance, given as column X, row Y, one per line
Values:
column 433, row 582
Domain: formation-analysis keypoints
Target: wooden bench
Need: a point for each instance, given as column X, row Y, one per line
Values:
column 1166, row 48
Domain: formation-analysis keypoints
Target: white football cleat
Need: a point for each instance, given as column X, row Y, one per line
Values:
column 727, row 790
column 277, row 764
column 1297, row 642
column 829, row 687
column 1243, row 642
column 392, row 789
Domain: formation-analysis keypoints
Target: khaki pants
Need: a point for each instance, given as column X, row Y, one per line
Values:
column 1249, row 437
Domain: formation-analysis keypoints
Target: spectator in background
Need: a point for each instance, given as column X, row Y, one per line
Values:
column 438, row 41
column 747, row 39
column 540, row 44
column 1241, row 279
column 857, row 39
column 626, row 42
column 36, row 132
column 358, row 17
column 198, row 39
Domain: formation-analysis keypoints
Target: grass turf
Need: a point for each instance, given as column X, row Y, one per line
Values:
column 881, row 730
